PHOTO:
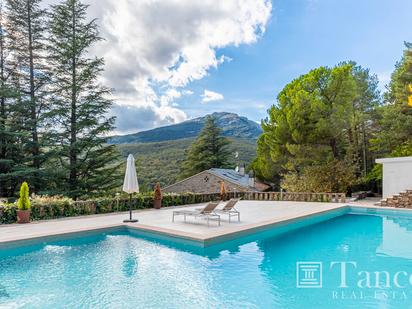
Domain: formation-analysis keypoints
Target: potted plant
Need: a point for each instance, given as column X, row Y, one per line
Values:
column 157, row 199
column 23, row 204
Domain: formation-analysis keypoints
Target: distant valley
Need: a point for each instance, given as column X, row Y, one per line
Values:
column 159, row 152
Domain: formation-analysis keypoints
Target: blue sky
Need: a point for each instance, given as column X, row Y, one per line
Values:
column 171, row 60
column 302, row 35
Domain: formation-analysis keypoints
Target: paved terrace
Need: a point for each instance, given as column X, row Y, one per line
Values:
column 254, row 214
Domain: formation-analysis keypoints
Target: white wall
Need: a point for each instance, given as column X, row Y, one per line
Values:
column 397, row 175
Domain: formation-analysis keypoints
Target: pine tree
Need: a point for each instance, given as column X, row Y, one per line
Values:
column 320, row 122
column 80, row 103
column 363, row 124
column 395, row 117
column 209, row 150
column 27, row 21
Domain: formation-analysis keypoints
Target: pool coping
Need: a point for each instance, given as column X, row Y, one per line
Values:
column 220, row 236
column 48, row 237
column 216, row 237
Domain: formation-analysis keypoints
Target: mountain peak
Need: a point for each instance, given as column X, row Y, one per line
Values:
column 231, row 124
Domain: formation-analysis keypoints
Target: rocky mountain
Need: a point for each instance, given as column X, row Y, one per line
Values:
column 232, row 125
column 161, row 161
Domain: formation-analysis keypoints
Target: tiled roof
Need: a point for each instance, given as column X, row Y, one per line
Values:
column 231, row 175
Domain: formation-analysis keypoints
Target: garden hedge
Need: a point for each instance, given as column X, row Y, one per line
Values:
column 58, row 208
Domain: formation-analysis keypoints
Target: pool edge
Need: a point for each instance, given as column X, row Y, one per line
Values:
column 219, row 237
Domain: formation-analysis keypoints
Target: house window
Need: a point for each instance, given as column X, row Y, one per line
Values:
column 206, row 179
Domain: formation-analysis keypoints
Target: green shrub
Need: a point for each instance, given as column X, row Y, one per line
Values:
column 8, row 213
column 51, row 207
column 335, row 176
column 24, row 203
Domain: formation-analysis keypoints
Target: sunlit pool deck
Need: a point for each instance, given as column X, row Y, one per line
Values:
column 255, row 216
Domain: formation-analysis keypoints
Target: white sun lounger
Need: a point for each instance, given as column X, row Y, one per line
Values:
column 229, row 209
column 205, row 212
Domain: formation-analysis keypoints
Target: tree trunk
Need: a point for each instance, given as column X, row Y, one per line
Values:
column 334, row 147
column 3, row 101
column 73, row 118
column 364, row 150
column 33, row 103
column 2, row 112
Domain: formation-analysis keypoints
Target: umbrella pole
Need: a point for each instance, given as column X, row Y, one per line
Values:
column 130, row 206
column 130, row 211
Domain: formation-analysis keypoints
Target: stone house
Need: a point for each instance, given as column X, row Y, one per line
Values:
column 209, row 181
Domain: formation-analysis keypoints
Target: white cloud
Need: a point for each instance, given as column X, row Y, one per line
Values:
column 188, row 92
column 209, row 96
column 154, row 48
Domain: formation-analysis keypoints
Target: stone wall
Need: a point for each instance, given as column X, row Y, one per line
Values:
column 203, row 182
column 294, row 196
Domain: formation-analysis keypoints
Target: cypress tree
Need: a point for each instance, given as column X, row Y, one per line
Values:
column 80, row 103
column 23, row 202
column 209, row 150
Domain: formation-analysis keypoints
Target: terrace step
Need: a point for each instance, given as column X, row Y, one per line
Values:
column 401, row 200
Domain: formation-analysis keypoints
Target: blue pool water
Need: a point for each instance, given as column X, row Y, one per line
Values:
column 120, row 270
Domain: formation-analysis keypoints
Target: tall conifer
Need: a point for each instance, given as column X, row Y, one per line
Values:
column 80, row 103
column 11, row 156
column 27, row 31
column 209, row 150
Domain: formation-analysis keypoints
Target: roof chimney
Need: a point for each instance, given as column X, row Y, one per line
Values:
column 242, row 170
column 251, row 179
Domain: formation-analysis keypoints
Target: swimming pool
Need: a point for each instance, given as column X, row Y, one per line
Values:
column 266, row 270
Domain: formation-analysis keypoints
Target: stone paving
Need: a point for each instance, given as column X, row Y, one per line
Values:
column 253, row 214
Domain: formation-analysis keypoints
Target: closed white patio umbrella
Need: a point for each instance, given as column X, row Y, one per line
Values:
column 130, row 184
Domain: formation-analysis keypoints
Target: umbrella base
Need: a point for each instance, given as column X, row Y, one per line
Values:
column 130, row 220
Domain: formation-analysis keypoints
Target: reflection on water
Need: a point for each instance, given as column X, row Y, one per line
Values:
column 257, row 271
column 130, row 265
column 3, row 292
column 397, row 231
